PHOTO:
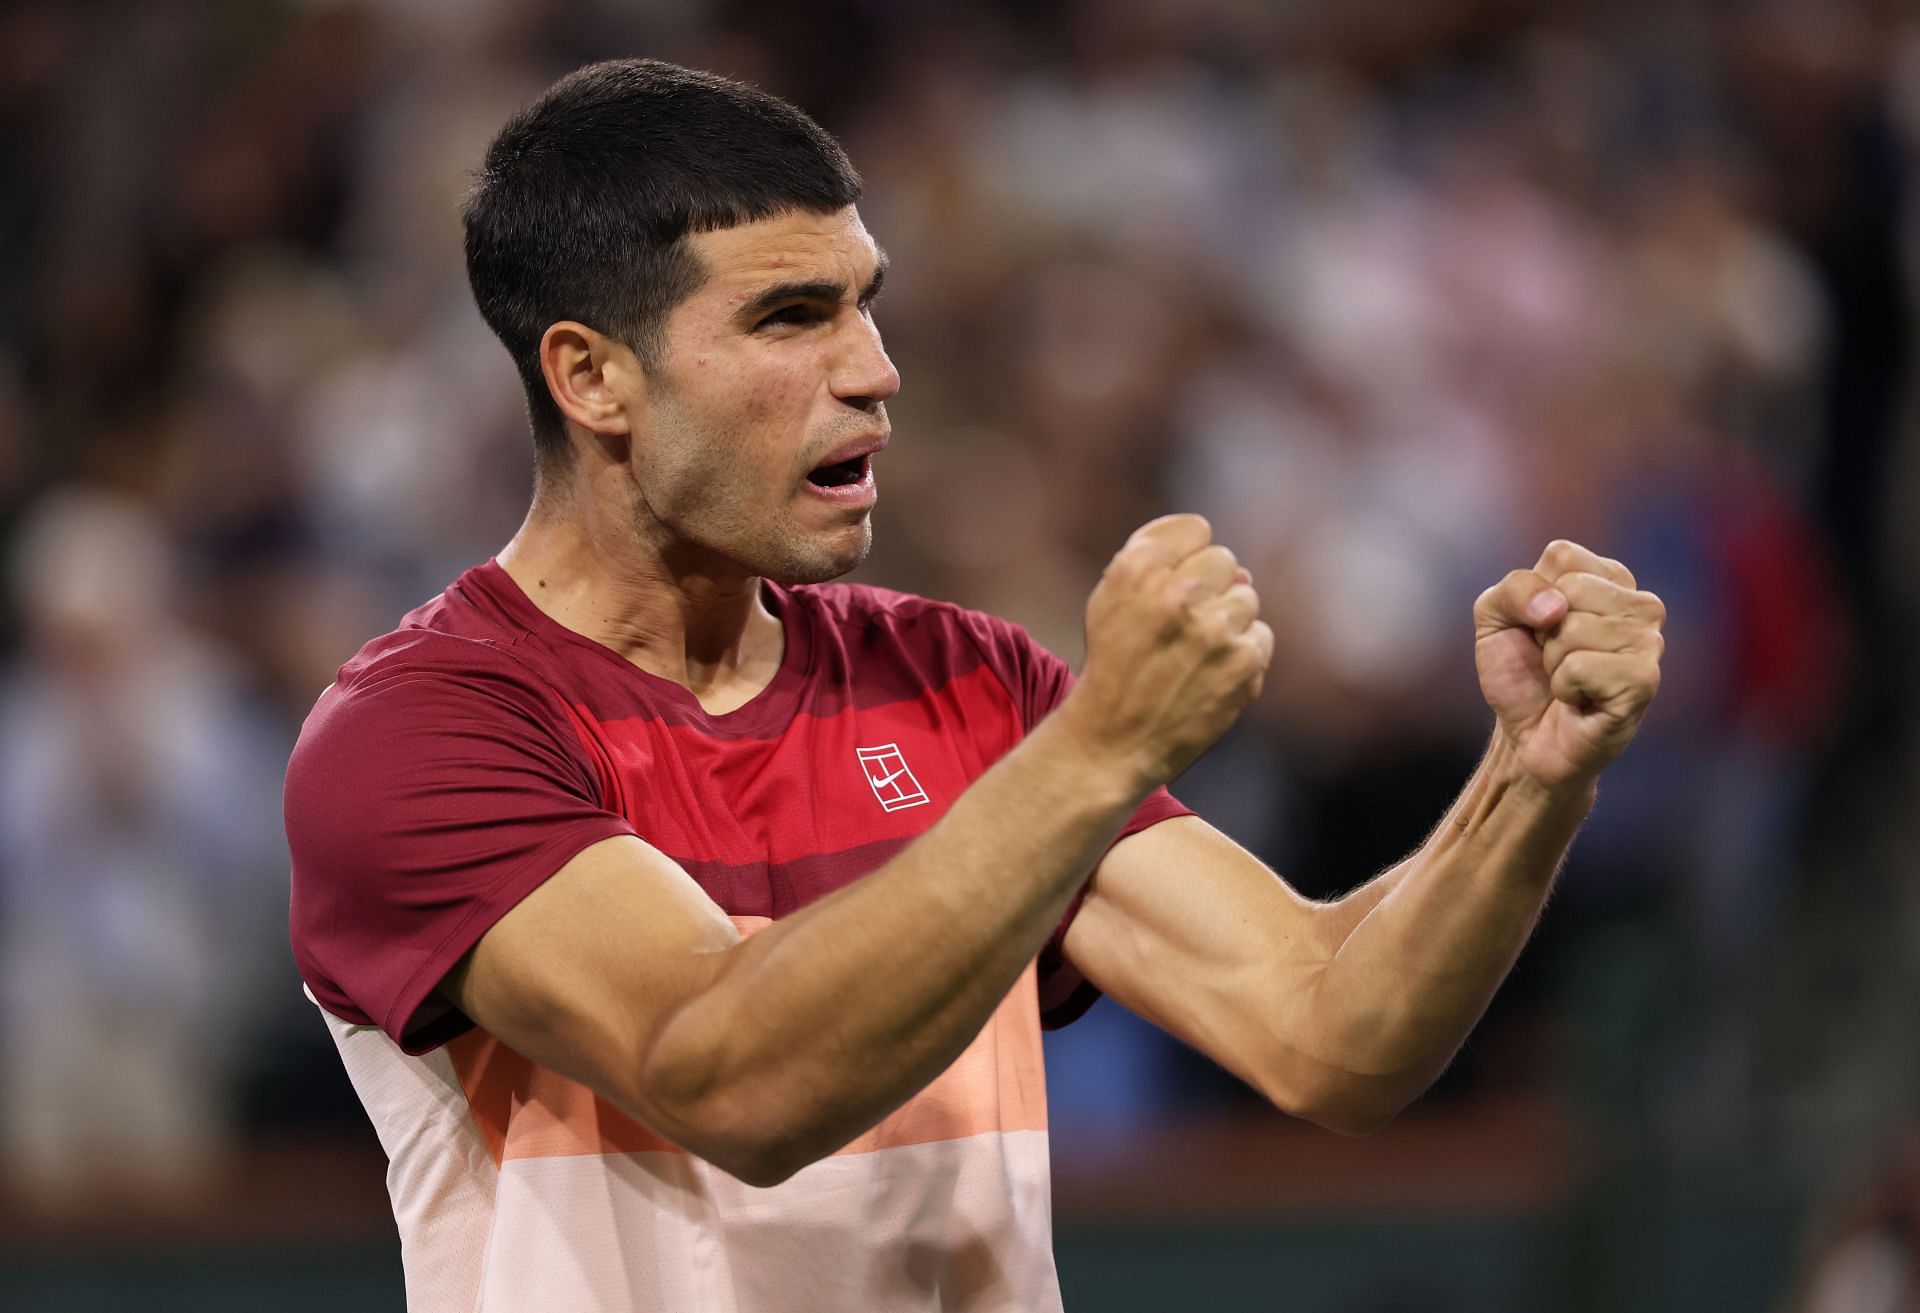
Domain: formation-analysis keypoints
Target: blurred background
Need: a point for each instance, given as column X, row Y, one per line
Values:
column 1394, row 293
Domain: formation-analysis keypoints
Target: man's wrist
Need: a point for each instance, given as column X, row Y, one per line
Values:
column 1102, row 773
column 1572, row 793
column 1563, row 795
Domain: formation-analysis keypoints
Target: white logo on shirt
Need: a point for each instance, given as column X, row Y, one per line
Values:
column 893, row 784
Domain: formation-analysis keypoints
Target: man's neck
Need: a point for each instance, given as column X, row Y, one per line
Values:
column 702, row 626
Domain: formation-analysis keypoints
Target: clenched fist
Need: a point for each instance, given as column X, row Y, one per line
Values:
column 1569, row 657
column 1175, row 648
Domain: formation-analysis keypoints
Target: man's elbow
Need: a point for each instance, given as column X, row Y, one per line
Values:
column 696, row 1098
column 1353, row 1117
column 741, row 1146
column 761, row 1166
column 769, row 1154
column 1344, row 1103
column 737, row 1127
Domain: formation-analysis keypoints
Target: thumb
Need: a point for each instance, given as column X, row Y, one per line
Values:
column 1525, row 599
column 1171, row 539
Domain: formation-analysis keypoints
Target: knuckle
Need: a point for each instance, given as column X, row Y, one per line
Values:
column 1510, row 593
column 1189, row 525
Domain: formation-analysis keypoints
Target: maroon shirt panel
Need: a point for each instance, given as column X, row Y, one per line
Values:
column 434, row 786
column 460, row 761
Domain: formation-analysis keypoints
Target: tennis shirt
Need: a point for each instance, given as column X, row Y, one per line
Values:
column 459, row 761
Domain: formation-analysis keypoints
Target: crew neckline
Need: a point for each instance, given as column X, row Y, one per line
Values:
column 772, row 707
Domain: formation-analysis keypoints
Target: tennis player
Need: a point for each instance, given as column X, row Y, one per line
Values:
column 687, row 922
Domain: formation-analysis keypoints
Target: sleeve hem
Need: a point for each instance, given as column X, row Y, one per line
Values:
column 1065, row 994
column 506, row 894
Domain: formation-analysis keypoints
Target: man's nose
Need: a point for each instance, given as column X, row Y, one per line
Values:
column 864, row 377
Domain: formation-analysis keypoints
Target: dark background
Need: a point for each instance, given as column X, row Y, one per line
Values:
column 1394, row 293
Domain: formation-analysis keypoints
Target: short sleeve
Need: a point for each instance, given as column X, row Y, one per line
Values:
column 1038, row 680
column 426, row 797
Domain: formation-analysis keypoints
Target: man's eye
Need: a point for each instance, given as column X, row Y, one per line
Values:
column 793, row 314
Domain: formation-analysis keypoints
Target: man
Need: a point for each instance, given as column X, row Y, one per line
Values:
column 687, row 928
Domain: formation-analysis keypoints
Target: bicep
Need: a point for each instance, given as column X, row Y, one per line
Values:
column 1187, row 929
column 583, row 973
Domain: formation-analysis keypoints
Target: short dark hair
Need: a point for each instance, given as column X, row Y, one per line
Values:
column 583, row 206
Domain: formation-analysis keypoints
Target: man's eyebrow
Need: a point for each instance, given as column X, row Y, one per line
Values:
column 805, row 289
column 812, row 289
column 872, row 289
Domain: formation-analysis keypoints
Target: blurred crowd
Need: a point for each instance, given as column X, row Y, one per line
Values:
column 1393, row 293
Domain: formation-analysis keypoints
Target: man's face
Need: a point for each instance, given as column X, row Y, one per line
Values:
column 755, row 437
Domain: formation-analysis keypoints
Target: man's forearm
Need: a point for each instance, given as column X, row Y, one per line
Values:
column 1431, row 939
column 782, row 1048
column 833, row 1017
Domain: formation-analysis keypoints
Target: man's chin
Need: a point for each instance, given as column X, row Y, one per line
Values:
column 819, row 561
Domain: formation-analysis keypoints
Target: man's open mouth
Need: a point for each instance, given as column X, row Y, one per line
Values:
column 840, row 475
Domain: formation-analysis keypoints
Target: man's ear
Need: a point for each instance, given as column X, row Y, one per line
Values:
column 588, row 375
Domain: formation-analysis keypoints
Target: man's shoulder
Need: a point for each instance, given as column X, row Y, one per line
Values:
column 461, row 635
column 425, row 693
